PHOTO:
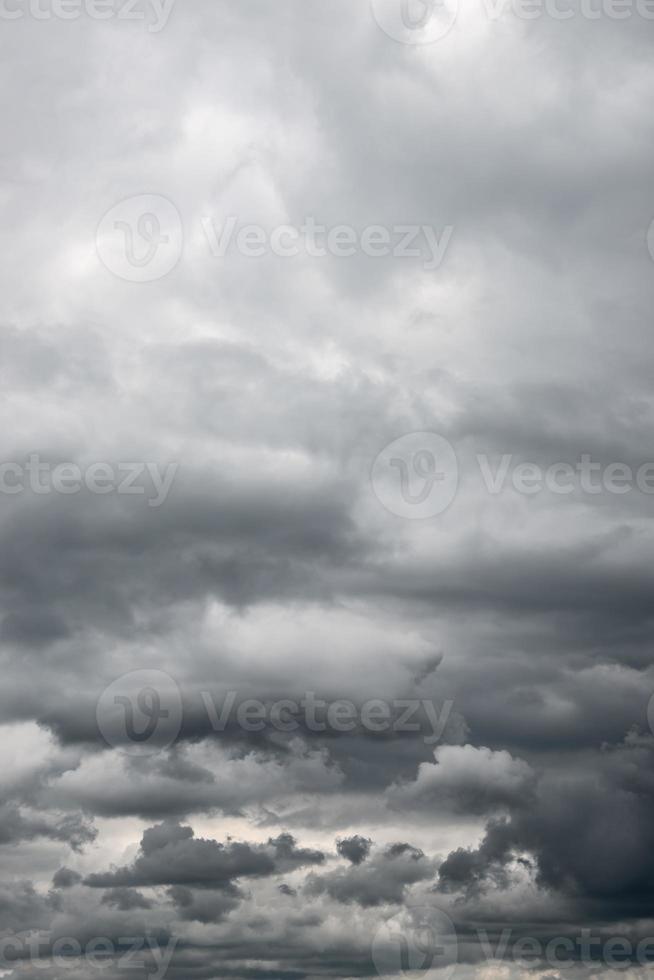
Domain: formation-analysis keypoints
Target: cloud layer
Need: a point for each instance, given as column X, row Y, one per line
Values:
column 324, row 716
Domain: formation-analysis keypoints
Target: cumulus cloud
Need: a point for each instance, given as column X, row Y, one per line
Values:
column 466, row 779
column 383, row 880
column 170, row 854
column 356, row 849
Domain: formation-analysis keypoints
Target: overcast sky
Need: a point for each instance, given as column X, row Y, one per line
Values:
column 326, row 376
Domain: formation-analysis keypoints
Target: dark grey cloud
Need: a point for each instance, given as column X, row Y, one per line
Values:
column 65, row 878
column 16, row 826
column 205, row 906
column 356, row 849
column 287, row 890
column 125, row 899
column 559, row 830
column 383, row 880
column 172, row 855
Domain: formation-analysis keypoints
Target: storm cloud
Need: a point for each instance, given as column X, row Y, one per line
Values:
column 325, row 560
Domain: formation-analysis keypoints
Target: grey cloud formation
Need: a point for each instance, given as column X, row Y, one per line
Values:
column 465, row 779
column 65, row 878
column 171, row 855
column 125, row 899
column 356, row 849
column 206, row 906
column 272, row 569
column 18, row 826
column 381, row 881
column 561, row 830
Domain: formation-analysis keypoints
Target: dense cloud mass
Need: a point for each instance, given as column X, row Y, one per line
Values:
column 326, row 489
